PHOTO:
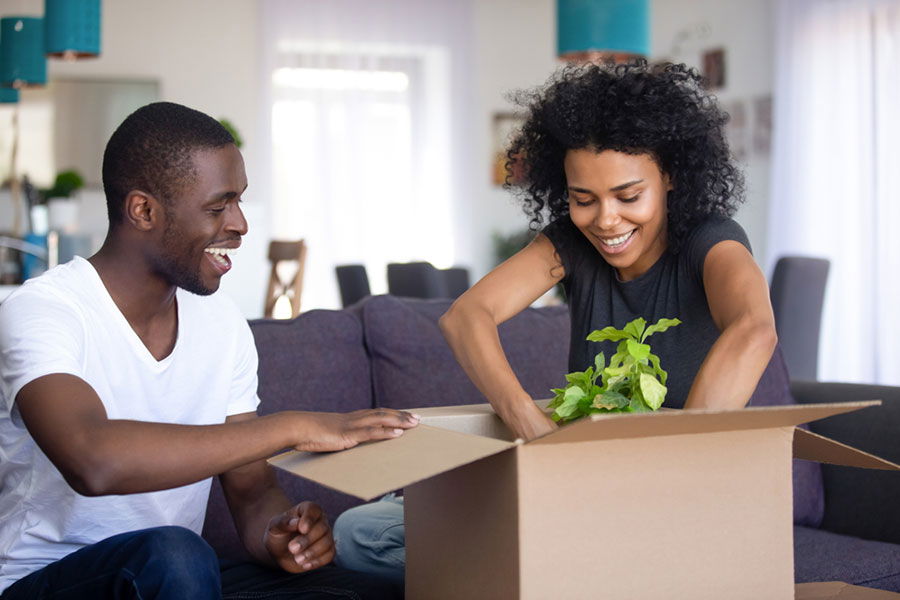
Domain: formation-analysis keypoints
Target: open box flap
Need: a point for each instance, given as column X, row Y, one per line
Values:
column 677, row 422
column 370, row 470
column 812, row 446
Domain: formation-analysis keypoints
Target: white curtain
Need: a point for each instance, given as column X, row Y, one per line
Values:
column 361, row 121
column 836, row 173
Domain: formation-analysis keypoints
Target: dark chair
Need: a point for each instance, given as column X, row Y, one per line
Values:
column 353, row 283
column 798, row 292
column 416, row 280
column 456, row 280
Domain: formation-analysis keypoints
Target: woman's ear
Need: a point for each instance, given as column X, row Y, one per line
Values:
column 142, row 210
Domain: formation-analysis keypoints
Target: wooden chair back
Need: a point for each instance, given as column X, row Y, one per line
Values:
column 282, row 253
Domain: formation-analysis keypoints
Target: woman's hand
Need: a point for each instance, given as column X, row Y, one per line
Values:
column 529, row 421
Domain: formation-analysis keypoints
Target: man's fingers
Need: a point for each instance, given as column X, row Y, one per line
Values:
column 284, row 523
column 316, row 554
column 386, row 417
column 373, row 432
column 310, row 514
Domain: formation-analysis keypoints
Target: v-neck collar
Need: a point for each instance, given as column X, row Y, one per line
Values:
column 128, row 331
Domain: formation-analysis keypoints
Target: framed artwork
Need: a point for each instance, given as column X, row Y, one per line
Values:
column 762, row 125
column 505, row 125
column 737, row 129
column 714, row 68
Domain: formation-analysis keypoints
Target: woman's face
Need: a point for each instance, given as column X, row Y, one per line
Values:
column 618, row 201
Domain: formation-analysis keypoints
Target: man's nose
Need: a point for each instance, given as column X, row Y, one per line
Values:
column 236, row 220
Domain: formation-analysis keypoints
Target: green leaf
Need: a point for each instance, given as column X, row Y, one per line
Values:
column 660, row 326
column 636, row 328
column 663, row 375
column 607, row 334
column 610, row 401
column 653, row 391
column 637, row 350
column 599, row 364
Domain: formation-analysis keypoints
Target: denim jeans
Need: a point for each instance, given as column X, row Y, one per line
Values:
column 372, row 539
column 175, row 563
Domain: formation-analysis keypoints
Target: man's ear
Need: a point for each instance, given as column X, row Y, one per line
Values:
column 143, row 211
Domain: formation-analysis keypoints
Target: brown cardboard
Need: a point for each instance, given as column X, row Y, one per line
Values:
column 837, row 590
column 371, row 470
column 672, row 504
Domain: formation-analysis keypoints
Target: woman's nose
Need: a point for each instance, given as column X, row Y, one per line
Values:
column 607, row 215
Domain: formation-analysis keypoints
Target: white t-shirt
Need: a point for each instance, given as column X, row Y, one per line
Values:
column 66, row 322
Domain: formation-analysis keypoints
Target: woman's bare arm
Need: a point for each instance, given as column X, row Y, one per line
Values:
column 470, row 327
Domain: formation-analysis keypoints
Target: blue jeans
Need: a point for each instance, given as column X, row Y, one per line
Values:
column 371, row 539
column 175, row 563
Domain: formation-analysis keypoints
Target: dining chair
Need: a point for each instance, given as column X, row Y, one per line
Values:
column 798, row 293
column 286, row 257
column 353, row 283
column 416, row 280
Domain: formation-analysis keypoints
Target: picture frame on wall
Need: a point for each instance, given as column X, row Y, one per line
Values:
column 504, row 127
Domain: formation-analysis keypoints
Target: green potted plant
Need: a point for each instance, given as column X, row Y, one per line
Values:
column 62, row 208
column 633, row 381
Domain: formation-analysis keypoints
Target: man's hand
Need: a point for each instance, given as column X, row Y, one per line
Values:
column 327, row 432
column 300, row 539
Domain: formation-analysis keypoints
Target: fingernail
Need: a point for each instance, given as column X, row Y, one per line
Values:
column 307, row 566
column 293, row 522
column 415, row 417
column 398, row 431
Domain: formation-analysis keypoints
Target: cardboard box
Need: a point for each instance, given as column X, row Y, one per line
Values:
column 672, row 504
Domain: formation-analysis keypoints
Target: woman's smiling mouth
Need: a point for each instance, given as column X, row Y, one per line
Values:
column 616, row 244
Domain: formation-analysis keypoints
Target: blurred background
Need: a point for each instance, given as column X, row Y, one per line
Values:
column 371, row 131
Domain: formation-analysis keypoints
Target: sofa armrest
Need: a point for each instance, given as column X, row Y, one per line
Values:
column 860, row 502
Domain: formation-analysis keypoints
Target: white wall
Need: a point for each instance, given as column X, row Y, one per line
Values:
column 204, row 54
column 682, row 30
column 516, row 46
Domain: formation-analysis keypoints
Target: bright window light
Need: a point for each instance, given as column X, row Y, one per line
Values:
column 341, row 79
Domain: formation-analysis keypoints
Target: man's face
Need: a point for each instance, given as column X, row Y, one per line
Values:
column 204, row 222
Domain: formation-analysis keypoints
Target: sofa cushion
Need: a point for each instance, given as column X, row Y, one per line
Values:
column 809, row 495
column 412, row 365
column 315, row 362
column 824, row 556
column 857, row 500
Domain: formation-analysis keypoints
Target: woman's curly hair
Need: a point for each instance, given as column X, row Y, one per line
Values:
column 662, row 111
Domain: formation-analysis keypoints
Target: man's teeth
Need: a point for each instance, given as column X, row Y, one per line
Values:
column 219, row 254
column 618, row 241
column 220, row 251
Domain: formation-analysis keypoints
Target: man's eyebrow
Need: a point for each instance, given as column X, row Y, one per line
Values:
column 625, row 186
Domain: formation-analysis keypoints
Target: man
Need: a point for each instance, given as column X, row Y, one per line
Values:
column 126, row 385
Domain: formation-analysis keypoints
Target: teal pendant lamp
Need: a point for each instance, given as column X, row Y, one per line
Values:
column 616, row 30
column 22, row 61
column 72, row 28
column 8, row 95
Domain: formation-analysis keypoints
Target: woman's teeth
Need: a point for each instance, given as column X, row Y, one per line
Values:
column 617, row 241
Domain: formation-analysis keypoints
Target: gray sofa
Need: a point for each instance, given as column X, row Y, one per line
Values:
column 388, row 352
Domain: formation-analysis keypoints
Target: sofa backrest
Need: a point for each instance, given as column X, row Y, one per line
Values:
column 412, row 365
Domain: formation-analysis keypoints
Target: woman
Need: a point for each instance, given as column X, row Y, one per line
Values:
column 630, row 166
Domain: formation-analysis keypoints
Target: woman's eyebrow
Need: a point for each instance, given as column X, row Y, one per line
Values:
column 624, row 186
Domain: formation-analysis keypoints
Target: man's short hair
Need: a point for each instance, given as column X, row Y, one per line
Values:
column 152, row 150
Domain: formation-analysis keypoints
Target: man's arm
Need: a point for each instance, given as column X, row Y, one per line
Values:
column 295, row 538
column 97, row 455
